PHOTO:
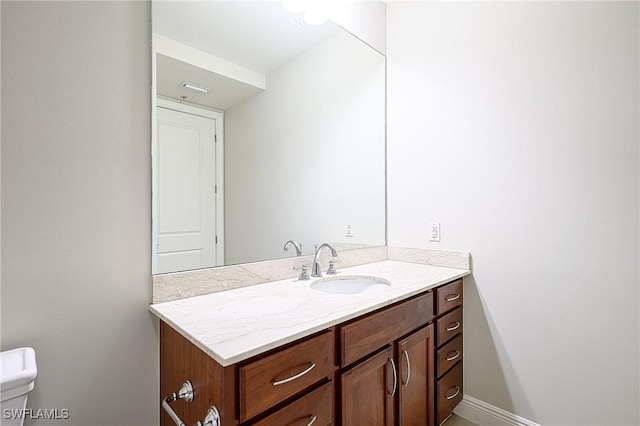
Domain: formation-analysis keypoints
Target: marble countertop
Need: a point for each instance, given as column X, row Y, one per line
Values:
column 234, row 325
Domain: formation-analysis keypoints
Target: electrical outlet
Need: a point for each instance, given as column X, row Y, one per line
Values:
column 349, row 231
column 434, row 232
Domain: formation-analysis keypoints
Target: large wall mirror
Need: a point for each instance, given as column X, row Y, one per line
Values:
column 266, row 129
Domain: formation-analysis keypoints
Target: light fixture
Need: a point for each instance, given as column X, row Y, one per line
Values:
column 194, row 87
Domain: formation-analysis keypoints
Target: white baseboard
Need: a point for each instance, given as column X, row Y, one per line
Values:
column 486, row 414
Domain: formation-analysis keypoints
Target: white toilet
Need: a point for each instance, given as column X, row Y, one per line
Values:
column 18, row 371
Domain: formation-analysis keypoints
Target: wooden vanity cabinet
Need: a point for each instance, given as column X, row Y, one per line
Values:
column 213, row 384
column 397, row 366
column 449, row 349
column 388, row 389
column 267, row 389
column 395, row 384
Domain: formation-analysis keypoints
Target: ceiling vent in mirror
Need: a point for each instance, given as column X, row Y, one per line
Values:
column 316, row 12
column 194, row 87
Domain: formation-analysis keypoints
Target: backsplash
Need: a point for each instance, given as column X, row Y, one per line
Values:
column 444, row 258
column 180, row 285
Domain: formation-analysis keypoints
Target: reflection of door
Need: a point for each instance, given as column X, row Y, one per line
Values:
column 184, row 191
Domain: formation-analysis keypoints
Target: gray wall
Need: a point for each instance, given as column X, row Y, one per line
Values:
column 515, row 125
column 76, row 207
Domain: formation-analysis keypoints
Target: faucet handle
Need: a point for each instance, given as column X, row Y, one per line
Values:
column 304, row 274
column 332, row 267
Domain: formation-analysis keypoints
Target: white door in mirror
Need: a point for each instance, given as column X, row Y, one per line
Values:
column 185, row 208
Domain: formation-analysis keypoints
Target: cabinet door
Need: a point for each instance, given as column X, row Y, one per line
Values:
column 416, row 377
column 368, row 391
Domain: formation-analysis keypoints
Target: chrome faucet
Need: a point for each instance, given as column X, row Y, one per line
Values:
column 296, row 245
column 315, row 268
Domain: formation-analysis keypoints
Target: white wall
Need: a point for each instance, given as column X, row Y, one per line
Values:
column 306, row 156
column 515, row 125
column 367, row 20
column 76, row 199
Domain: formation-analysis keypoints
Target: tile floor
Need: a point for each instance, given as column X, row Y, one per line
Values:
column 458, row 421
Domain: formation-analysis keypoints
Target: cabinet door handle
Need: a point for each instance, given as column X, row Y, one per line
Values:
column 454, row 327
column 312, row 420
column 451, row 298
column 297, row 376
column 455, row 394
column 395, row 377
column 451, row 358
column 406, row 357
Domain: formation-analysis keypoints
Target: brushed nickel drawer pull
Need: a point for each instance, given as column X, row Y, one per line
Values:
column 455, row 394
column 455, row 327
column 451, row 358
column 406, row 357
column 312, row 420
column 451, row 299
column 395, row 377
column 297, row 376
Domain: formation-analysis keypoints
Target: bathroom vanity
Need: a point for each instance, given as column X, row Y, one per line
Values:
column 283, row 353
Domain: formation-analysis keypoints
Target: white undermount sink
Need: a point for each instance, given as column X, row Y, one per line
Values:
column 351, row 284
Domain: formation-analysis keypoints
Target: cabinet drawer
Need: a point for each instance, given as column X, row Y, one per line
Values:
column 448, row 326
column 448, row 393
column 268, row 381
column 449, row 355
column 316, row 407
column 363, row 336
column 448, row 297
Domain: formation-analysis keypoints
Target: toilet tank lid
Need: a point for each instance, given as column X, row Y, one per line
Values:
column 17, row 367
